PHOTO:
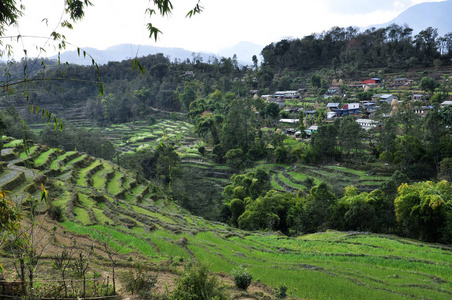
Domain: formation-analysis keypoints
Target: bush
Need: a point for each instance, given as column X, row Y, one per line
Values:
column 197, row 285
column 242, row 278
column 56, row 212
column 139, row 281
column 281, row 292
column 202, row 150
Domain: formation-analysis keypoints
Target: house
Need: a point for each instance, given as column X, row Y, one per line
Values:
column 349, row 109
column 188, row 73
column 287, row 94
column 289, row 121
column 290, row 131
column 400, row 81
column 371, row 81
column 370, row 107
column 331, row 106
column 292, row 110
column 309, row 112
column 332, row 91
column 384, row 98
column 367, row 123
column 421, row 110
column 311, row 130
column 280, row 101
column 331, row 115
column 418, row 97
column 445, row 103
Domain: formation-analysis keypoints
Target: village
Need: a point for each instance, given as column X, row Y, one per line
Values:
column 336, row 103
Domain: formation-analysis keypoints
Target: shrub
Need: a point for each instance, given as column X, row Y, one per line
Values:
column 202, row 150
column 56, row 212
column 281, row 292
column 139, row 281
column 196, row 284
column 242, row 278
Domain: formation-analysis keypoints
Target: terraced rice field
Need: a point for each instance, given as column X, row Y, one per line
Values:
column 299, row 176
column 141, row 135
column 339, row 265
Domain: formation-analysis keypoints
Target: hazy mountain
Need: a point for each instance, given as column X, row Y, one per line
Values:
column 424, row 15
column 127, row 51
column 244, row 51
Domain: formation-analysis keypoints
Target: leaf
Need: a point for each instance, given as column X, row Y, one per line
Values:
column 198, row 9
column 165, row 6
column 101, row 89
column 153, row 31
column 151, row 11
column 31, row 109
column 136, row 64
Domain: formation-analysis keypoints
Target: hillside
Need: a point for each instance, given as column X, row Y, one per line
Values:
column 104, row 203
column 423, row 15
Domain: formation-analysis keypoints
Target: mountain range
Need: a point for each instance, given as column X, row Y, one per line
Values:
column 424, row 15
column 418, row 17
column 243, row 50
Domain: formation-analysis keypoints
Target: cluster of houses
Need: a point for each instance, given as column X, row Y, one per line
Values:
column 399, row 83
column 364, row 109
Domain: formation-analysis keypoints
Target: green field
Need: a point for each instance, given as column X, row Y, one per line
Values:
column 326, row 265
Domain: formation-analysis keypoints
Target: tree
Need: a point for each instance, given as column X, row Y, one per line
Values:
column 324, row 143
column 426, row 43
column 239, row 126
column 162, row 163
column 188, row 96
column 9, row 218
column 428, row 84
column 271, row 110
column 350, row 138
column 254, row 58
column 316, row 81
column 301, row 125
column 210, row 123
column 446, row 169
column 318, row 209
column 422, row 209
column 269, row 211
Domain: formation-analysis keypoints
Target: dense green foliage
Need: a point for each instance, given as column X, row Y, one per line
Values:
column 350, row 49
column 422, row 210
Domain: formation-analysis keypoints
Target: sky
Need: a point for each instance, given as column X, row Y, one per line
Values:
column 222, row 24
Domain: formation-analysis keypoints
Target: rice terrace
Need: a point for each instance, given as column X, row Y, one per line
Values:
column 142, row 224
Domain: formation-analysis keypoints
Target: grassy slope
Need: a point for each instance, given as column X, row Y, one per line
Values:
column 319, row 266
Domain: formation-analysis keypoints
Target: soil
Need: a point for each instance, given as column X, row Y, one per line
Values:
column 54, row 238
